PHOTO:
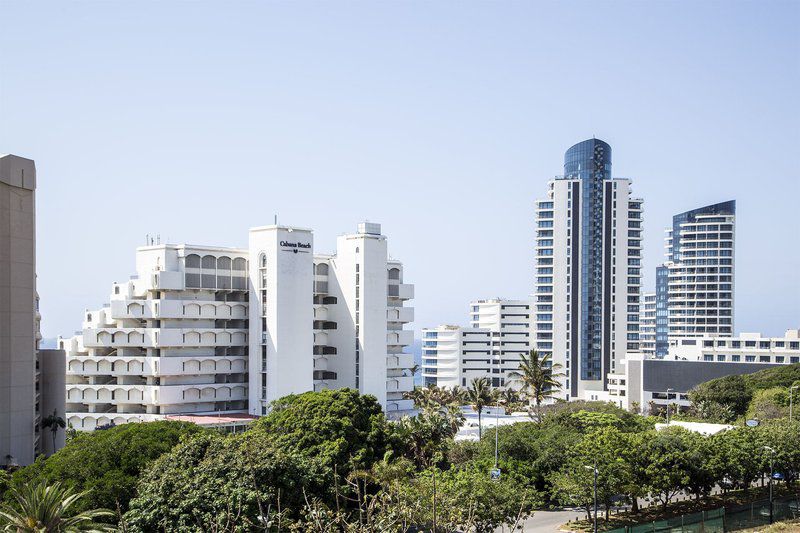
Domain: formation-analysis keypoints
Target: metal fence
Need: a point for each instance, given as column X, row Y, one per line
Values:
column 732, row 518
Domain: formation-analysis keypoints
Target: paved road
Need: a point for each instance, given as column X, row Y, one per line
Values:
column 547, row 521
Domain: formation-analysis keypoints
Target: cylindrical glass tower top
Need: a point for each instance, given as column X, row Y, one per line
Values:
column 588, row 159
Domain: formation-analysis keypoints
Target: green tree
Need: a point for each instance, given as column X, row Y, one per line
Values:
column 510, row 400
column 603, row 449
column 42, row 508
column 539, row 377
column 211, row 482
column 426, row 437
column 667, row 460
column 53, row 423
column 783, row 436
column 702, row 474
column 479, row 395
column 107, row 464
column 341, row 428
column 467, row 499
column 724, row 399
column 768, row 404
column 738, row 457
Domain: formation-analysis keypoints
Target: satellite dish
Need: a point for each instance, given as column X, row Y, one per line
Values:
column 752, row 423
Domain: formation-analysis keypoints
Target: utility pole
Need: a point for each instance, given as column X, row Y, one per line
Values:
column 771, row 473
column 668, row 398
column 434, row 499
column 496, row 420
column 594, row 468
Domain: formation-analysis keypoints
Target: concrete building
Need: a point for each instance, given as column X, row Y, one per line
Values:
column 647, row 324
column 700, row 265
column 588, row 253
column 692, row 361
column 26, row 373
column 223, row 332
column 491, row 347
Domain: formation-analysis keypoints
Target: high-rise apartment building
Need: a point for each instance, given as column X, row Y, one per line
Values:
column 26, row 373
column 588, row 252
column 700, row 270
column 662, row 313
column 213, row 331
column 647, row 324
column 491, row 347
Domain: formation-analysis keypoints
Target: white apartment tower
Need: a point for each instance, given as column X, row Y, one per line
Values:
column 700, row 267
column 588, row 254
column 213, row 331
column 491, row 347
column 647, row 324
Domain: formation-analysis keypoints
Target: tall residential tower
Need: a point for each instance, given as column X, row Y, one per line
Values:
column 700, row 272
column 31, row 380
column 588, row 269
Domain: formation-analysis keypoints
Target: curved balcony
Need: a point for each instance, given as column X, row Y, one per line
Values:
column 321, row 349
column 155, row 366
column 324, row 325
column 155, row 394
column 162, row 337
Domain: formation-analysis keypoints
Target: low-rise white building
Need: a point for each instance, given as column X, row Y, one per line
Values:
column 210, row 330
column 490, row 348
column 657, row 382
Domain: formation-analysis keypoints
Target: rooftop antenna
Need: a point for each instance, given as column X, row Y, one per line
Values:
column 276, row 219
column 159, row 239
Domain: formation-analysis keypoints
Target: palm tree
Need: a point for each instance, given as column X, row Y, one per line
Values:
column 54, row 422
column 479, row 395
column 42, row 508
column 509, row 399
column 539, row 379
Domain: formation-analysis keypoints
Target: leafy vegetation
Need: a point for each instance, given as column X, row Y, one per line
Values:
column 42, row 508
column 106, row 464
column 331, row 461
column 728, row 398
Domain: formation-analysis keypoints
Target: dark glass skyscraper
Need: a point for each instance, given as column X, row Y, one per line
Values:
column 588, row 270
column 590, row 162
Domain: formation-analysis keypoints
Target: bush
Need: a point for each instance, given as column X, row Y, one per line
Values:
column 107, row 463
column 337, row 427
column 215, row 483
column 727, row 398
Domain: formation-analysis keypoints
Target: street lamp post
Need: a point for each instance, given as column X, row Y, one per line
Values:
column 771, row 473
column 791, row 398
column 594, row 468
column 668, row 391
column 496, row 421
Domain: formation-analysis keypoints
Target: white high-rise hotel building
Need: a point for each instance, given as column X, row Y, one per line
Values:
column 588, row 270
column 210, row 330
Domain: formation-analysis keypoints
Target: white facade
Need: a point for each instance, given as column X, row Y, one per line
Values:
column 490, row 348
column 209, row 330
column 700, row 262
column 647, row 324
column 745, row 348
column 655, row 382
column 588, row 252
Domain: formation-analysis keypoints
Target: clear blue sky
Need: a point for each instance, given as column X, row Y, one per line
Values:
column 441, row 120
